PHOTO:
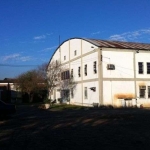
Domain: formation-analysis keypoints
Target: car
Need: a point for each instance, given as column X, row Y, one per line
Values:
column 7, row 109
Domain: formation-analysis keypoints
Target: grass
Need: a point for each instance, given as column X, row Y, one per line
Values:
column 66, row 107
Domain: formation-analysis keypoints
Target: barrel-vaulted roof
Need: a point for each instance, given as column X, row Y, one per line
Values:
column 112, row 44
column 119, row 44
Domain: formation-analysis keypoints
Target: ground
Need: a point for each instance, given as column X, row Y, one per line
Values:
column 32, row 128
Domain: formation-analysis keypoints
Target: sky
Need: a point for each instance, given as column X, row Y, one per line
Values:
column 30, row 29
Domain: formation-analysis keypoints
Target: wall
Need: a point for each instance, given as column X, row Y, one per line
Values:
column 115, row 91
column 123, row 61
column 142, row 57
column 86, row 54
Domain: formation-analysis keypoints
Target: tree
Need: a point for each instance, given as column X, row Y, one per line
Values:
column 58, row 76
column 54, row 70
column 68, row 87
column 31, row 82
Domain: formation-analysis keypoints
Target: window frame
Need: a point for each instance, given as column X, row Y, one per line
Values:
column 72, row 93
column 79, row 71
column 148, row 91
column 85, row 93
column 140, row 67
column 95, row 67
column 148, row 67
column 71, row 73
column 85, row 69
column 64, row 57
column 75, row 52
column 142, row 91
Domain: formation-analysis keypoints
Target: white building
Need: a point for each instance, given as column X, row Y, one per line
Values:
column 106, row 72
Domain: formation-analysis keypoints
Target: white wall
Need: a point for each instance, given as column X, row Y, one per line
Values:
column 123, row 62
column 145, row 101
column 116, row 82
column 142, row 57
column 93, row 97
column 65, row 52
column 75, row 44
column 56, row 56
column 77, row 99
column 89, row 60
column 74, row 65
column 113, row 91
column 87, row 47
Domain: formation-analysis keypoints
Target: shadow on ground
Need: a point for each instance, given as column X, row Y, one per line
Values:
column 34, row 128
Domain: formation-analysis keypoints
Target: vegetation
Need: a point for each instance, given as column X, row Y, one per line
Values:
column 32, row 84
column 66, row 107
column 36, row 83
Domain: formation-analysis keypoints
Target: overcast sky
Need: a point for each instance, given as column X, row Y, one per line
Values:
column 30, row 29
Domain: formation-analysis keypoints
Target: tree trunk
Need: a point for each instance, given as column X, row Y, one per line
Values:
column 30, row 97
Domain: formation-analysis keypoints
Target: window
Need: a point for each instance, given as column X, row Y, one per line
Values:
column 79, row 71
column 65, row 75
column 94, row 67
column 64, row 57
column 148, row 91
column 71, row 73
column 142, row 91
column 140, row 67
column 110, row 67
column 85, row 93
column 72, row 94
column 56, row 62
column 75, row 52
column 85, row 70
column 62, row 76
column 148, row 68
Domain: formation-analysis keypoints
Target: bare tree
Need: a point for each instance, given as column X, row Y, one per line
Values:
column 54, row 70
column 68, row 87
column 58, row 76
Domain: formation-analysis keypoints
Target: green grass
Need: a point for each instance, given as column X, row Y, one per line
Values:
column 66, row 107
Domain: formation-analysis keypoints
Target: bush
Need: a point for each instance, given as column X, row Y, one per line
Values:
column 47, row 101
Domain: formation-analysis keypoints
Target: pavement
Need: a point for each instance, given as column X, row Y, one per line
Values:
column 37, row 129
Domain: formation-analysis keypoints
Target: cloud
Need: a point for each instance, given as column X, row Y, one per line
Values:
column 11, row 57
column 39, row 37
column 25, row 58
column 98, row 32
column 48, row 49
column 135, row 35
column 117, row 37
column 15, row 57
column 49, row 34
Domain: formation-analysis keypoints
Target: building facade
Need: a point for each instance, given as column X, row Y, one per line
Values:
column 106, row 72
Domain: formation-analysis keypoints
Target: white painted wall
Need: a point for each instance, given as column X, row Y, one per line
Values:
column 113, row 91
column 75, row 44
column 142, row 57
column 93, row 97
column 65, row 52
column 56, row 56
column 123, row 73
column 89, row 60
column 74, row 65
column 87, row 47
column 145, row 101
column 123, row 62
column 77, row 95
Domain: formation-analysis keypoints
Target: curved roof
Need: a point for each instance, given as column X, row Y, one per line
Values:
column 120, row 44
column 112, row 44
